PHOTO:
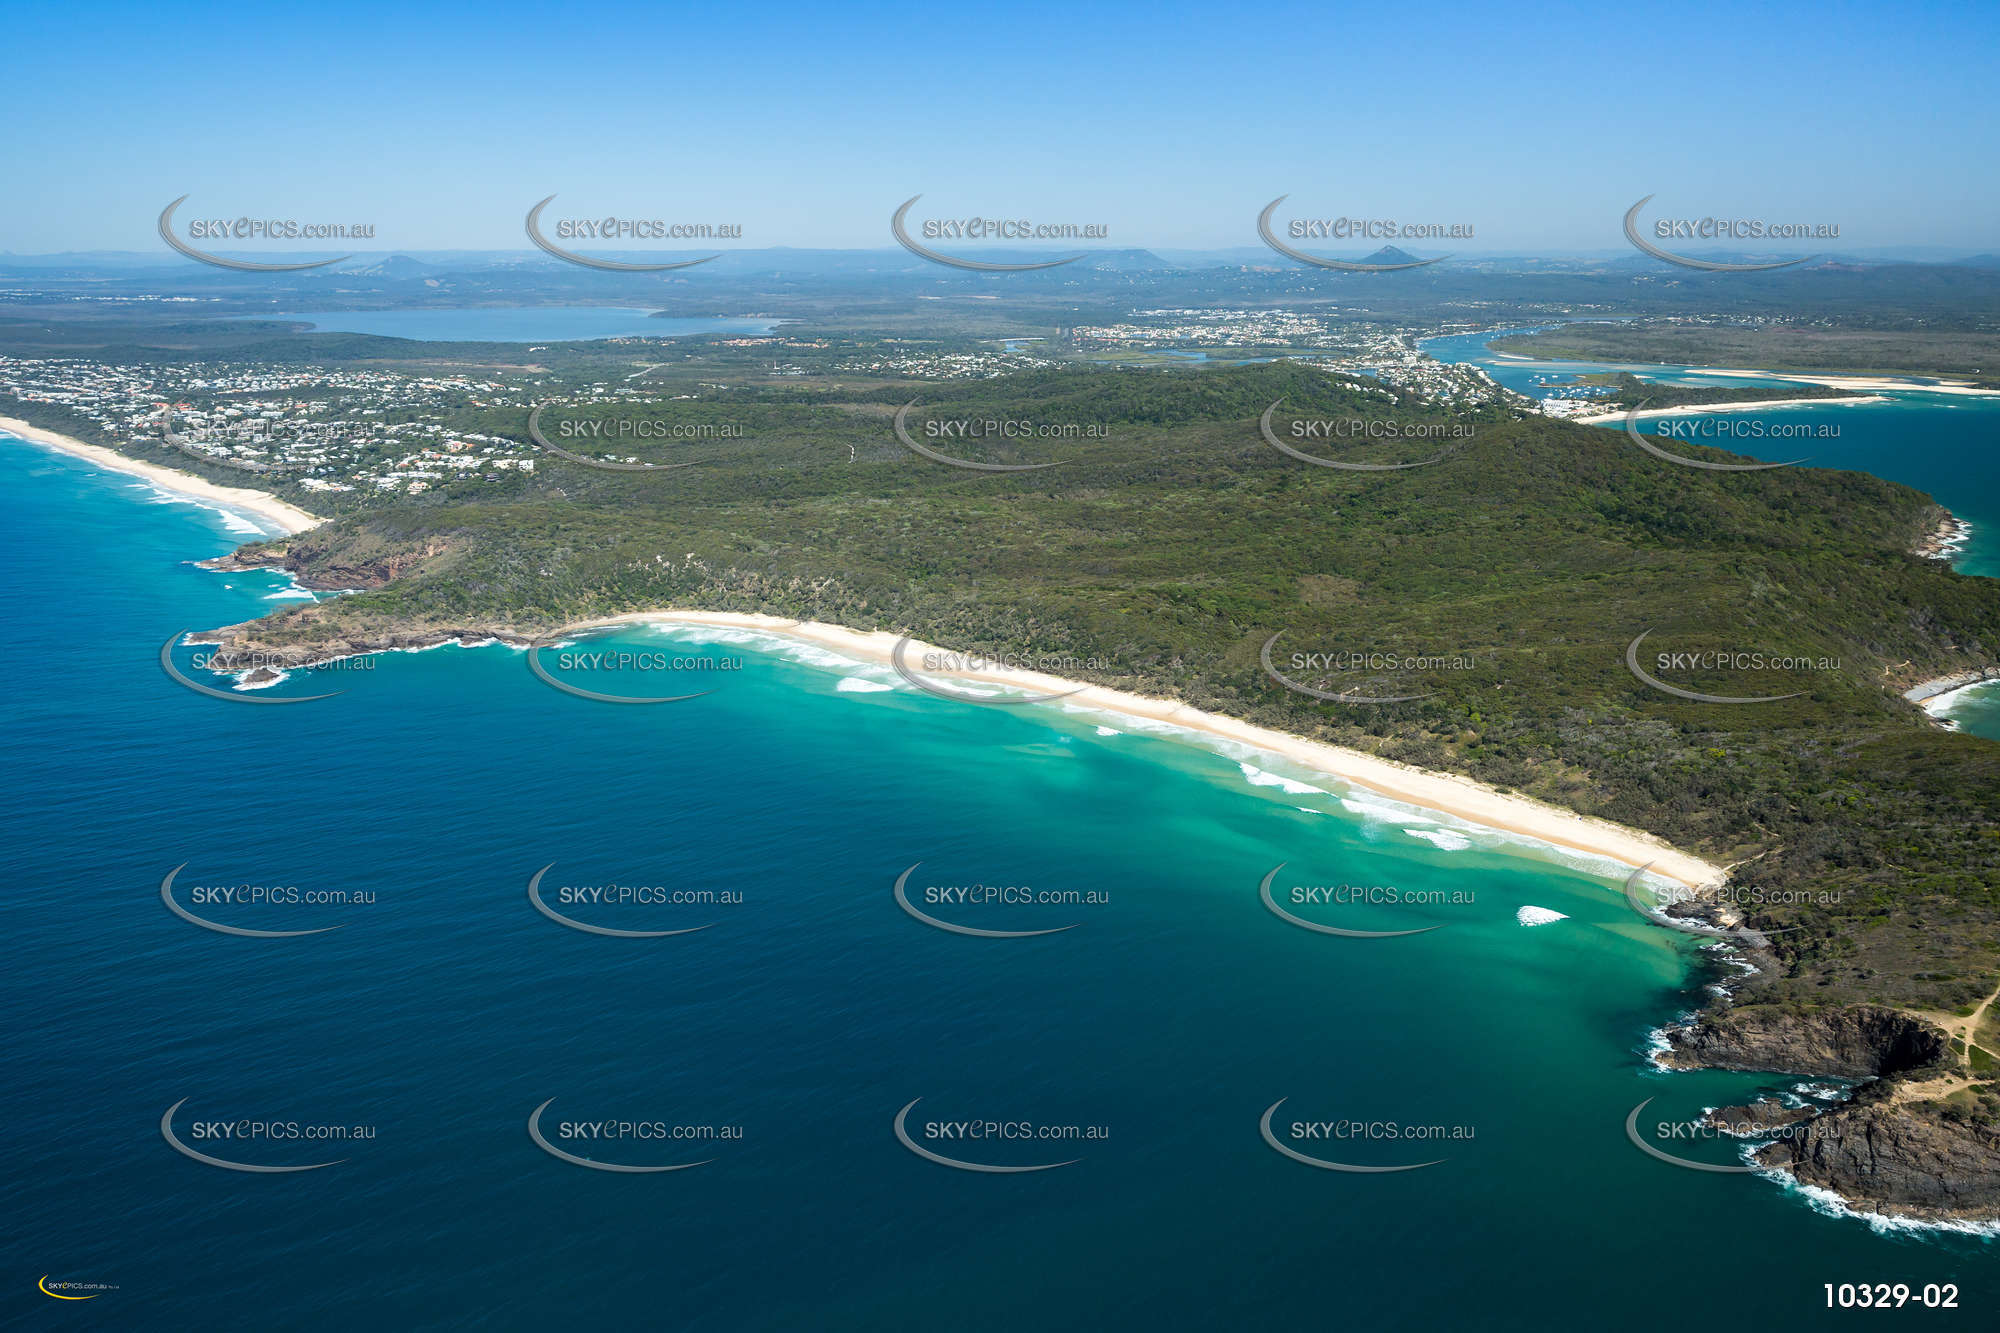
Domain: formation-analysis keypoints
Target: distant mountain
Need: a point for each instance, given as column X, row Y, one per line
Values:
column 1124, row 261
column 1389, row 254
column 395, row 266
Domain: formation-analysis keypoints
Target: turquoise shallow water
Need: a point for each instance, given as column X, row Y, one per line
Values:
column 810, row 1011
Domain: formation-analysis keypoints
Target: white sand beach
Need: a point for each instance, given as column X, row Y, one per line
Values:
column 1443, row 792
column 288, row 518
column 1729, row 407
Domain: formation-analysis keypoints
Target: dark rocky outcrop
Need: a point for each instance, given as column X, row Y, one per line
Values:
column 1910, row 1161
column 1862, row 1041
column 1759, row 1117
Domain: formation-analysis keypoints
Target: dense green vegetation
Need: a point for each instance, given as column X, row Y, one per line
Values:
column 1176, row 545
column 1921, row 348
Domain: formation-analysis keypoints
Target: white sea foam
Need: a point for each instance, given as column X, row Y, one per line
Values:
column 243, row 681
column 1444, row 839
column 1257, row 777
column 1383, row 811
column 1883, row 1224
column 862, row 685
column 1539, row 916
column 236, row 522
column 1109, row 731
column 781, row 645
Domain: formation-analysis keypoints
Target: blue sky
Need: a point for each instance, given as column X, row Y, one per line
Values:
column 1170, row 124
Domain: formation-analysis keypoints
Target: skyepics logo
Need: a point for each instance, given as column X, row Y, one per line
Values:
column 256, row 897
column 974, row 1133
column 615, row 430
column 1632, row 432
column 902, row 429
column 983, row 895
column 254, row 678
column 621, row 897
column 617, row 1134
column 1733, row 661
column 69, row 1289
column 988, row 229
column 1723, row 903
column 254, row 1134
column 1330, row 895
column 611, row 664
column 1375, row 664
column 1373, row 229
column 626, row 229
column 1711, row 228
column 1332, row 1132
column 1348, row 429
column 250, row 229
column 1005, row 669
column 215, row 451
column 1685, row 1131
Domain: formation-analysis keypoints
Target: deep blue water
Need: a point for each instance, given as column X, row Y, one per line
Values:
column 523, row 324
column 446, row 1010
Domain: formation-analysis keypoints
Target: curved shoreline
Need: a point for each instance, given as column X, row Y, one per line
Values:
column 289, row 518
column 1445, row 793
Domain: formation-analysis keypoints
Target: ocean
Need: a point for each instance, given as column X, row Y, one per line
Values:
column 778, row 1040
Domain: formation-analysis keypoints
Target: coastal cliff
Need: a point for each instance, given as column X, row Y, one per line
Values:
column 1930, row 1161
column 1885, row 1151
column 1863, row 1041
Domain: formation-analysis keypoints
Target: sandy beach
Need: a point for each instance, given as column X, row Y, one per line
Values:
column 1935, row 696
column 1728, row 407
column 287, row 517
column 1443, row 792
column 1861, row 383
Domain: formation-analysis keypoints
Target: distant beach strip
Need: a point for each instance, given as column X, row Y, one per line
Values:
column 286, row 518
